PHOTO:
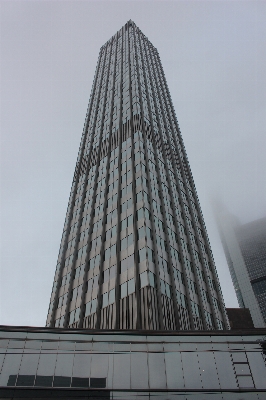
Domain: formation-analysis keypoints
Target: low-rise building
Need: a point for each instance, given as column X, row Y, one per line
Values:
column 188, row 365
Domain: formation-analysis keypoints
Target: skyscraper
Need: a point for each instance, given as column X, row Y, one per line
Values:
column 245, row 250
column 134, row 252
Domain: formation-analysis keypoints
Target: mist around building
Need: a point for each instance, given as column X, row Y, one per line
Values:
column 136, row 308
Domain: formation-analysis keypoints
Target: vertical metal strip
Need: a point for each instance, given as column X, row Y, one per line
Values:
column 136, row 264
column 117, row 284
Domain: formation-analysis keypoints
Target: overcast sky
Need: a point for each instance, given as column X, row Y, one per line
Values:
column 214, row 57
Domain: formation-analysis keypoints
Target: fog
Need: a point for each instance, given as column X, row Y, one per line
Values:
column 214, row 58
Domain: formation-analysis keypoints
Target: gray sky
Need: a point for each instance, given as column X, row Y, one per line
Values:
column 214, row 57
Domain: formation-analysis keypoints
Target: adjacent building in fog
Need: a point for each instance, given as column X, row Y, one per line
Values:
column 245, row 250
column 134, row 252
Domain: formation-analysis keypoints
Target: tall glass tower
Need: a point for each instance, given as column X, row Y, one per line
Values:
column 134, row 252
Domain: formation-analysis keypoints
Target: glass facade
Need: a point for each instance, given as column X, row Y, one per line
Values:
column 245, row 250
column 252, row 242
column 134, row 365
column 134, row 252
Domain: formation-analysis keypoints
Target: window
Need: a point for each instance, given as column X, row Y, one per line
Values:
column 209, row 318
column 146, row 254
column 90, row 307
column 141, row 180
column 76, row 292
column 205, row 295
column 71, row 245
column 79, row 271
column 158, row 224
column 113, row 162
column 144, row 231
column 140, row 167
column 110, row 252
column 62, row 300
column 161, row 243
column 142, row 195
column 65, row 279
column 125, row 223
column 96, row 242
column 84, row 235
column 126, row 190
column 126, row 263
column 143, row 213
column 144, row 280
column 196, row 309
column 113, row 175
column 126, row 177
column 112, row 200
column 94, row 262
column 172, row 234
column 139, row 155
column 110, row 233
column 108, row 298
column 165, row 288
column 113, row 185
column 163, row 264
column 181, row 299
column 82, row 252
column 74, row 316
column 98, row 210
column 109, row 273
column 127, row 288
column 111, row 216
column 127, row 204
column 175, row 256
column 216, row 303
column 126, row 242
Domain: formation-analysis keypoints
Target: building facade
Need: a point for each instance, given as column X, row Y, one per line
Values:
column 134, row 252
column 245, row 250
column 252, row 243
column 132, row 365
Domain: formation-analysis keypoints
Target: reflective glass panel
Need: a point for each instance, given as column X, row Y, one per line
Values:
column 99, row 365
column 29, row 364
column 239, row 356
column 242, row 369
column 2, row 356
column 258, row 368
column 64, row 364
column 174, row 373
column 25, row 380
column 46, row 365
column 121, row 371
column 62, row 381
column 43, row 381
column 81, row 366
column 245, row 382
column 139, row 370
column 208, row 370
column 10, row 367
column 157, row 378
column 225, row 370
column 191, row 370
